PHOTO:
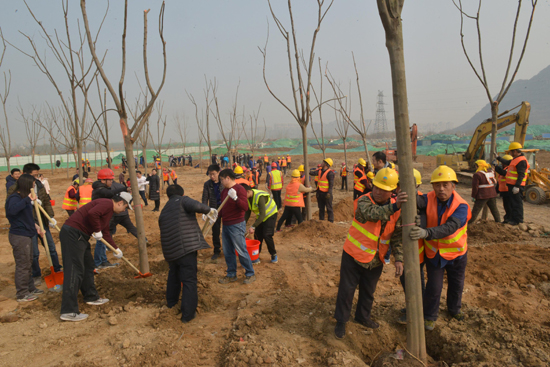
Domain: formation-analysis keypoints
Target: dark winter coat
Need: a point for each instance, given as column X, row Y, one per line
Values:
column 42, row 195
column 154, row 185
column 180, row 233
column 209, row 196
column 100, row 191
column 10, row 181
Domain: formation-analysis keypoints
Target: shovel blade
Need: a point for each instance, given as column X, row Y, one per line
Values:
column 54, row 278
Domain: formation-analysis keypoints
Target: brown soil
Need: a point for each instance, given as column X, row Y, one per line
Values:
column 285, row 317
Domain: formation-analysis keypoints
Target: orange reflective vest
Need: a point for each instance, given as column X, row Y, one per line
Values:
column 250, row 180
column 365, row 239
column 266, row 160
column 303, row 180
column 255, row 177
column 165, row 176
column 293, row 196
column 241, row 180
column 357, row 180
column 317, row 175
column 344, row 171
column 85, row 192
column 68, row 203
column 288, row 159
column 502, row 187
column 512, row 174
column 454, row 245
column 323, row 180
column 173, row 175
column 283, row 162
column 276, row 180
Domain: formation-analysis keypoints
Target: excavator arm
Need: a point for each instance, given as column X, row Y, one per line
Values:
column 521, row 119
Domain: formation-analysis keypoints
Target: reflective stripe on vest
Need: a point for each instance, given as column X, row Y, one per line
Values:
column 502, row 187
column 364, row 239
column 165, row 176
column 454, row 245
column 490, row 176
column 288, row 159
column 270, row 208
column 344, row 172
column 68, row 203
column 293, row 197
column 323, row 180
column 276, row 180
column 357, row 180
column 85, row 192
column 512, row 174
column 241, row 180
column 266, row 160
column 174, row 175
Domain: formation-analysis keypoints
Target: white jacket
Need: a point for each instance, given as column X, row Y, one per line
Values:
column 142, row 182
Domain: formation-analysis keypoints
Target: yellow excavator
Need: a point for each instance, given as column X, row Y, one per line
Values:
column 464, row 161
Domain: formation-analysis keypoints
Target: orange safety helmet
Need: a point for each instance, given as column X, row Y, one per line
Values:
column 105, row 174
column 273, row 164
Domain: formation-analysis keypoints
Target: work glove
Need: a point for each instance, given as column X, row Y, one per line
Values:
column 53, row 222
column 39, row 202
column 204, row 217
column 213, row 215
column 232, row 194
column 473, row 200
column 515, row 190
column 118, row 253
column 97, row 235
column 328, row 196
column 418, row 233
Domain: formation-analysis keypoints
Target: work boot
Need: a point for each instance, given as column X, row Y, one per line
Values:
column 249, row 279
column 106, row 265
column 459, row 316
column 186, row 321
column 257, row 261
column 429, row 325
column 340, row 330
column 28, row 298
column 370, row 323
column 37, row 292
column 98, row 302
column 227, row 280
column 73, row 316
column 215, row 257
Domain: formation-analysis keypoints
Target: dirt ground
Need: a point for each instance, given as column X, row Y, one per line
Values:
column 285, row 317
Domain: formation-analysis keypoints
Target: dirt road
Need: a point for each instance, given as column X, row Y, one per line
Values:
column 285, row 317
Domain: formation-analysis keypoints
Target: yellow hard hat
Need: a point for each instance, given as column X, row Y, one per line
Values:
column 386, row 179
column 417, row 176
column 514, row 145
column 329, row 162
column 76, row 181
column 362, row 162
column 508, row 157
column 296, row 173
column 238, row 170
column 443, row 174
column 370, row 175
column 301, row 168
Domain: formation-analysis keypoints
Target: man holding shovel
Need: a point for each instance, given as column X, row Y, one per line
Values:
column 91, row 220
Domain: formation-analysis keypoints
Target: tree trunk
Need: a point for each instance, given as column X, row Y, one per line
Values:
column 138, row 211
column 67, row 164
column 144, row 153
column 346, row 160
column 51, row 160
column 416, row 342
column 306, row 171
column 494, row 118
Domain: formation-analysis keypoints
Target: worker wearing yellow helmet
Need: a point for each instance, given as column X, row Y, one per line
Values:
column 365, row 247
column 239, row 172
column 445, row 243
column 361, row 185
column 325, row 184
column 484, row 184
column 516, row 178
column 503, row 188
column 294, row 201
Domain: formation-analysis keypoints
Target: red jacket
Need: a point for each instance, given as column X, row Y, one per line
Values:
column 482, row 187
column 94, row 217
column 233, row 211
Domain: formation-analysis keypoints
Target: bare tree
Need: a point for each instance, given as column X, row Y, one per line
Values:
column 342, row 127
column 254, row 137
column 480, row 73
column 233, row 133
column 50, row 127
column 390, row 14
column 182, row 128
column 33, row 127
column 5, row 138
column 203, row 124
column 131, row 134
column 320, row 143
column 300, row 88
column 102, row 133
column 161, row 129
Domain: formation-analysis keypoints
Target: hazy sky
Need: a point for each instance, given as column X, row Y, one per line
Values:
column 220, row 39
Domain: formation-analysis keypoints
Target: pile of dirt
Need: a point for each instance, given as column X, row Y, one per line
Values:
column 318, row 229
column 487, row 232
column 343, row 210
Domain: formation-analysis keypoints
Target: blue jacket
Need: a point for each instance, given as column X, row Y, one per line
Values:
column 9, row 181
column 19, row 214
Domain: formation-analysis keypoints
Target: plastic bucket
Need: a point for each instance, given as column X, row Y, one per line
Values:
column 116, row 167
column 52, row 202
column 253, row 248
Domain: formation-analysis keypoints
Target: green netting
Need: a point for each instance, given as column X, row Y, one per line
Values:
column 537, row 144
column 442, row 137
column 439, row 148
column 538, row 130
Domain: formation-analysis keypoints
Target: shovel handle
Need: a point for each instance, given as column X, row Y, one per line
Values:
column 47, row 216
column 40, row 224
column 123, row 258
column 206, row 228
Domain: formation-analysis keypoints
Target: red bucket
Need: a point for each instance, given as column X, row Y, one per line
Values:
column 52, row 202
column 253, row 248
column 116, row 167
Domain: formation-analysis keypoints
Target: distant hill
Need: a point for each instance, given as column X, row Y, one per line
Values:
column 535, row 91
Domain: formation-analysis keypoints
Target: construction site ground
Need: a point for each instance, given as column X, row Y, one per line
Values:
column 286, row 318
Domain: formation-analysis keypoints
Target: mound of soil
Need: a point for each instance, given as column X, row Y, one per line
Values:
column 487, row 232
column 343, row 210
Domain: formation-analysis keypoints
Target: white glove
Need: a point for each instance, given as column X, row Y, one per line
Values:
column 118, row 253
column 204, row 217
column 418, row 233
column 232, row 194
column 53, row 222
column 515, row 190
column 97, row 235
column 39, row 201
column 213, row 215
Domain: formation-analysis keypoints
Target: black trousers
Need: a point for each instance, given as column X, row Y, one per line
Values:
column 125, row 221
column 356, row 194
column 157, row 204
column 142, row 194
column 480, row 204
column 351, row 275
column 507, row 207
column 216, row 230
column 78, row 269
column 516, row 204
column 456, row 273
column 322, row 203
column 70, row 212
column 183, row 274
column 290, row 211
column 277, row 198
column 265, row 231
column 422, row 281
column 344, row 182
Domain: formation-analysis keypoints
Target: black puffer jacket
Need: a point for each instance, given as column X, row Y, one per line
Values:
column 180, row 233
column 208, row 194
column 100, row 191
column 154, row 185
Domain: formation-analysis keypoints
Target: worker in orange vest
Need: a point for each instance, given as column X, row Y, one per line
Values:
column 445, row 244
column 255, row 176
column 289, row 161
column 173, row 176
column 165, row 177
column 294, row 200
column 360, row 179
column 376, row 225
column 85, row 192
column 503, row 188
column 283, row 165
column 316, row 174
column 238, row 171
column 70, row 201
column 266, row 159
column 344, row 176
column 275, row 182
column 325, row 184
column 516, row 178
